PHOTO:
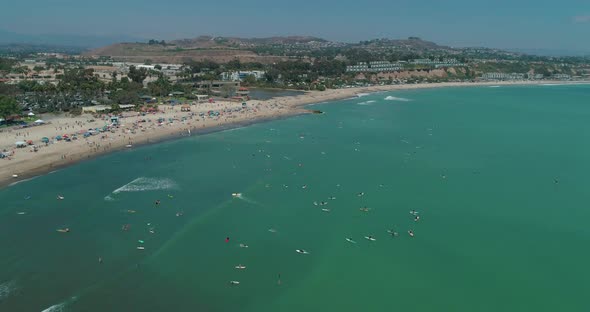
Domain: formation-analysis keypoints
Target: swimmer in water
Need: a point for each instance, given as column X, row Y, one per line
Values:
column 157, row 202
column 360, row 194
column 392, row 233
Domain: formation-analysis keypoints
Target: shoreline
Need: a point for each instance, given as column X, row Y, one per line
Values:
column 33, row 164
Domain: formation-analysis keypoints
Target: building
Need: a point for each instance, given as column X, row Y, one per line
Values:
column 437, row 63
column 502, row 76
column 241, row 75
column 561, row 77
column 375, row 67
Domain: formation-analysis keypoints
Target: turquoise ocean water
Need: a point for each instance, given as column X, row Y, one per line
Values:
column 499, row 176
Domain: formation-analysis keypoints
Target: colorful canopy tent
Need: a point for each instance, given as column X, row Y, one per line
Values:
column 20, row 144
column 45, row 140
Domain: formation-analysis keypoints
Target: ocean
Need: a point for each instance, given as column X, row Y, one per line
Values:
column 498, row 177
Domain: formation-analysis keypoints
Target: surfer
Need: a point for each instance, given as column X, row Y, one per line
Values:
column 243, row 246
column 350, row 240
column 392, row 233
column 417, row 218
column 60, row 197
column 227, row 239
column 240, row 267
column 360, row 194
column 157, row 202
column 331, row 198
column 371, row 238
column 234, row 283
column 411, row 233
column 302, row 251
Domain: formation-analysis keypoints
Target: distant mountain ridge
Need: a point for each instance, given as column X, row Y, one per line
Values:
column 80, row 41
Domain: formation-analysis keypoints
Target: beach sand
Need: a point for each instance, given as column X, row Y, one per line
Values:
column 25, row 163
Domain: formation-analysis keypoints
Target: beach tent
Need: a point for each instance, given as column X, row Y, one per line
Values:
column 58, row 137
column 39, row 121
column 20, row 144
column 45, row 140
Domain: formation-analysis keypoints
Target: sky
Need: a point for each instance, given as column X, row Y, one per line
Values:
column 524, row 24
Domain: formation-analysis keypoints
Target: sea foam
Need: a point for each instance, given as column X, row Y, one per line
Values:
column 143, row 184
column 6, row 289
column 393, row 98
column 60, row 307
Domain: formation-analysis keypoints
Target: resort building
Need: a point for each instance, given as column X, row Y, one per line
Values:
column 241, row 75
column 375, row 67
column 437, row 63
column 561, row 77
column 502, row 76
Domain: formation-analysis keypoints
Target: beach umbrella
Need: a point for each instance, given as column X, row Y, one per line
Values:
column 30, row 142
column 45, row 140
column 58, row 137
column 39, row 121
column 31, row 114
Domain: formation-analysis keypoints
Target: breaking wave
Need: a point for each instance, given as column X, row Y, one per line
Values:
column 366, row 103
column 393, row 98
column 6, row 289
column 143, row 184
column 60, row 307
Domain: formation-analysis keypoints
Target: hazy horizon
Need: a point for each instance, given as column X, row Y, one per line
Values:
column 528, row 25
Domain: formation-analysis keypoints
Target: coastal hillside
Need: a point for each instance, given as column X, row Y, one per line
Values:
column 262, row 50
column 178, row 52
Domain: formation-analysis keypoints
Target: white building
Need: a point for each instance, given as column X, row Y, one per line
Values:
column 377, row 67
column 241, row 75
column 502, row 76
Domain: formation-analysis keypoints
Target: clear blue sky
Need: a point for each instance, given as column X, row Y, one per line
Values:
column 544, row 24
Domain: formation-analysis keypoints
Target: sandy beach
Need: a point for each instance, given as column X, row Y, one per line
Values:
column 135, row 129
